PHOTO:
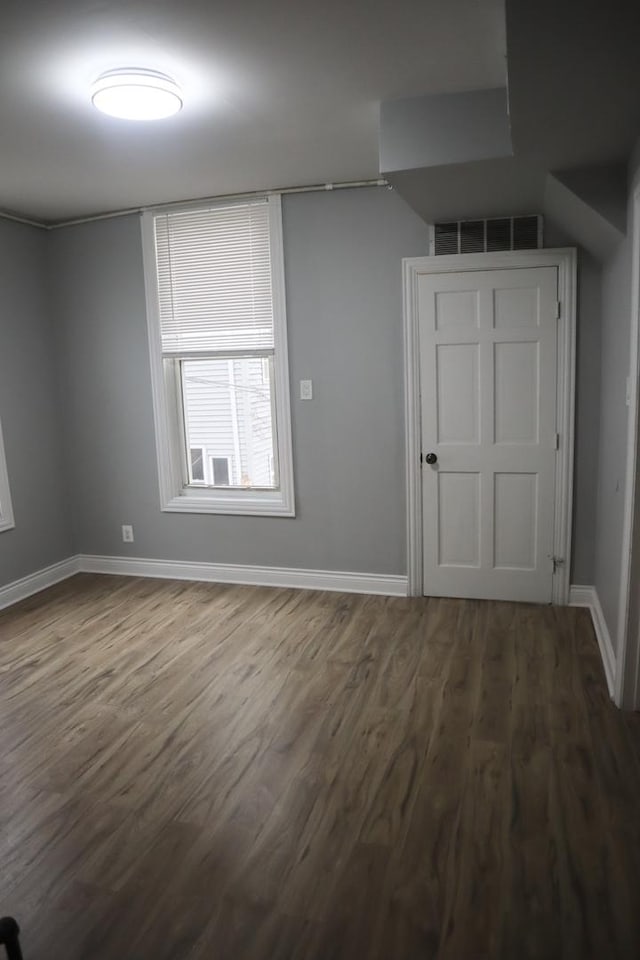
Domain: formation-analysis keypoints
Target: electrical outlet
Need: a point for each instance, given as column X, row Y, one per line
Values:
column 127, row 533
column 306, row 390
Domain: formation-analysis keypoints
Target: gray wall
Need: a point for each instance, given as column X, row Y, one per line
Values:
column 587, row 419
column 631, row 679
column 616, row 307
column 29, row 409
column 344, row 302
column 342, row 253
column 616, row 315
column 587, row 409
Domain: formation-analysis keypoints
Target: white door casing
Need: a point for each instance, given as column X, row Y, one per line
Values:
column 489, row 370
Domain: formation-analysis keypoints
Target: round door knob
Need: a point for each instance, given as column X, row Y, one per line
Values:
column 431, row 458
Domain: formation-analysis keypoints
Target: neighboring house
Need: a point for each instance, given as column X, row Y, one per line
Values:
column 228, row 418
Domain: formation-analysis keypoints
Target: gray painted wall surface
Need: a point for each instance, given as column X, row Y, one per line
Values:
column 631, row 665
column 585, row 223
column 587, row 409
column 603, row 188
column 587, row 419
column 29, row 409
column 344, row 302
column 613, row 431
column 343, row 253
column 616, row 313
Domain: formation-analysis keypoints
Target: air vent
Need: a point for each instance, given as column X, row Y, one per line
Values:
column 446, row 237
column 525, row 233
column 472, row 236
column 499, row 235
column 487, row 236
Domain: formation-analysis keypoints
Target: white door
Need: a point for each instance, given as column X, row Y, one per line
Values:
column 488, row 349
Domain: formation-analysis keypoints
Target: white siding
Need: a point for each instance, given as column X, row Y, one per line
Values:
column 228, row 413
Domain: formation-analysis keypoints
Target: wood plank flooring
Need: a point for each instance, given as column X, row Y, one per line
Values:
column 202, row 772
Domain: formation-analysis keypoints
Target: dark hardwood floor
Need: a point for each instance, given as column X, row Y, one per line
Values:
column 236, row 773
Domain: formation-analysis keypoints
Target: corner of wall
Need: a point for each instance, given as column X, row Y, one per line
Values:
column 587, row 596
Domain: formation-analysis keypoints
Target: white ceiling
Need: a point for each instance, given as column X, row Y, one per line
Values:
column 277, row 92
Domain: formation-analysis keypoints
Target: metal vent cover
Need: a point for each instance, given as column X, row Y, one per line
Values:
column 487, row 236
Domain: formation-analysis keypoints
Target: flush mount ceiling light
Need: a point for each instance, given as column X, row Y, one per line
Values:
column 134, row 94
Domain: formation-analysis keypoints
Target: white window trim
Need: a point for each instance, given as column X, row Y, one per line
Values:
column 7, row 521
column 175, row 496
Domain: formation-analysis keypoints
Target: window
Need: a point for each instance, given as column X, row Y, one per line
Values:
column 217, row 335
column 6, row 510
column 196, row 461
column 220, row 471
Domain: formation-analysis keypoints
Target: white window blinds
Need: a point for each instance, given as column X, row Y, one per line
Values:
column 214, row 279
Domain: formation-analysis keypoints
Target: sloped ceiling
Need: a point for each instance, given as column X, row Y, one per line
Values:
column 574, row 80
column 574, row 101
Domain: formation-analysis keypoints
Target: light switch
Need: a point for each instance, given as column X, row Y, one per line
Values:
column 306, row 390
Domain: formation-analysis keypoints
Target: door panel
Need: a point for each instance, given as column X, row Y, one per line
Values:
column 458, row 407
column 517, row 381
column 515, row 520
column 488, row 406
column 456, row 309
column 516, row 307
column 458, row 519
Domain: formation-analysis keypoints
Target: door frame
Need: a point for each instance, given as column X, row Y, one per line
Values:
column 565, row 259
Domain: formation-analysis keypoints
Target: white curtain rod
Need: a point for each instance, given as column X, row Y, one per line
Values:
column 313, row 188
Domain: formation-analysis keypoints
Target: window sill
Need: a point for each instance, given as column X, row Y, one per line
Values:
column 250, row 504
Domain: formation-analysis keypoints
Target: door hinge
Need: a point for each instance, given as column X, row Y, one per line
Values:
column 556, row 441
column 557, row 562
column 558, row 309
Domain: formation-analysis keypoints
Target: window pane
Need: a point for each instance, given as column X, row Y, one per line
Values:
column 228, row 413
column 220, row 471
column 197, row 465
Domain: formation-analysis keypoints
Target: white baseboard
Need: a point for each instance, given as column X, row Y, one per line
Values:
column 344, row 582
column 384, row 584
column 581, row 596
column 35, row 582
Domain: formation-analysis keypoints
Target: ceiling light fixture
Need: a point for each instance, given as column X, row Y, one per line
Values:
column 134, row 94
